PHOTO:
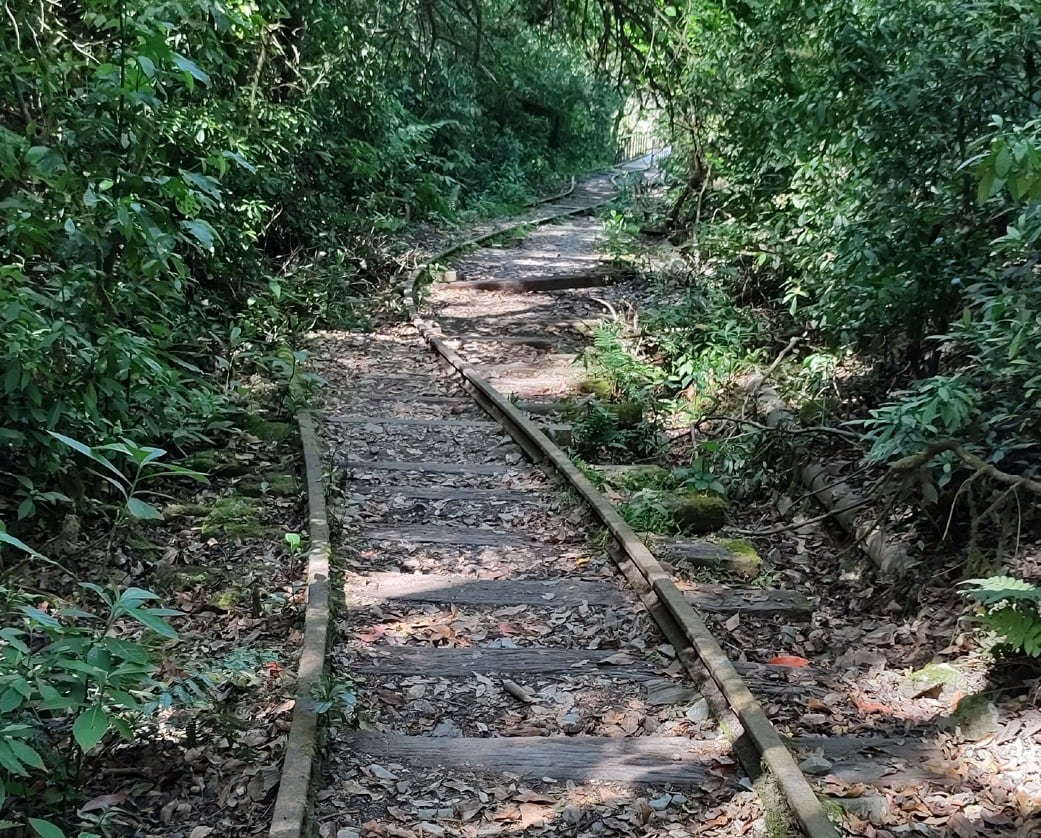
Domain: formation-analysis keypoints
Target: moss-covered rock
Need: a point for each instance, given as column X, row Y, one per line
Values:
column 745, row 559
column 268, row 431
column 203, row 461
column 186, row 510
column 183, row 577
column 976, row 717
column 936, row 680
column 278, row 484
column 813, row 411
column 628, row 413
column 236, row 516
column 599, row 387
column 696, row 512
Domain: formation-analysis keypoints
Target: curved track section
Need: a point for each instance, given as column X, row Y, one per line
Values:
column 516, row 672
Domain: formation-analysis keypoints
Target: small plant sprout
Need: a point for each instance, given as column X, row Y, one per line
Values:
column 295, row 543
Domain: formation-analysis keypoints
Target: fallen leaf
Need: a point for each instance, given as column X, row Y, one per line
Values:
column 793, row 661
column 529, row 796
column 393, row 699
column 103, row 801
column 618, row 659
column 200, row 832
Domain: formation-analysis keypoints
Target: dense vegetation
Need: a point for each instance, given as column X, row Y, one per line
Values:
column 867, row 173
column 185, row 185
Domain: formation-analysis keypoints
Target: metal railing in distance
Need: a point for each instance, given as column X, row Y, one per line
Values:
column 634, row 146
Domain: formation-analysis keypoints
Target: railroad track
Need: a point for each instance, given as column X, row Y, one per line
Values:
column 521, row 662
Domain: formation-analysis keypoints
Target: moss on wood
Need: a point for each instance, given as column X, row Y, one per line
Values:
column 235, row 516
column 696, row 512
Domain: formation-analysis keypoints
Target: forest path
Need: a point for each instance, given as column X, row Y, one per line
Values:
column 509, row 679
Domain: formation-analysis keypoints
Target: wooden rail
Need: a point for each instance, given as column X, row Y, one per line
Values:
column 656, row 587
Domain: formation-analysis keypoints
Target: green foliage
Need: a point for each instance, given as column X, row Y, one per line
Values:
column 942, row 407
column 145, row 467
column 838, row 131
column 600, row 433
column 609, row 358
column 187, row 187
column 1011, row 608
column 702, row 475
column 337, row 700
column 68, row 678
column 703, row 341
column 620, row 238
column 645, row 512
column 872, row 170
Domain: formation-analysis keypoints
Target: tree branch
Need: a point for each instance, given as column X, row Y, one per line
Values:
column 915, row 461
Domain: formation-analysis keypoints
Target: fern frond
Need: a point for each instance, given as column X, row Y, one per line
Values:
column 995, row 589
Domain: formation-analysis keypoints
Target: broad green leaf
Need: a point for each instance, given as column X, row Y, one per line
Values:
column 152, row 621
column 87, row 451
column 179, row 471
column 6, row 538
column 239, row 159
column 124, row 728
column 90, row 726
column 10, row 699
column 52, row 699
column 26, row 754
column 121, row 698
column 126, row 649
column 41, row 617
column 205, row 183
column 201, row 232
column 139, row 509
column 45, row 829
column 9, row 762
column 74, row 444
column 191, row 68
column 134, row 595
column 14, row 637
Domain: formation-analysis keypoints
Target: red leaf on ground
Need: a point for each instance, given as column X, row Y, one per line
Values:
column 873, row 707
column 793, row 661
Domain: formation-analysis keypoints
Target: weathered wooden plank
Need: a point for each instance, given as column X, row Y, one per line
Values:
column 552, row 366
column 534, row 341
column 396, row 397
column 545, row 408
column 444, row 534
column 433, row 468
column 421, row 587
column 695, row 552
column 878, row 761
column 520, row 284
column 447, row 493
column 449, row 662
column 352, row 419
column 757, row 728
column 721, row 599
column 639, row 760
